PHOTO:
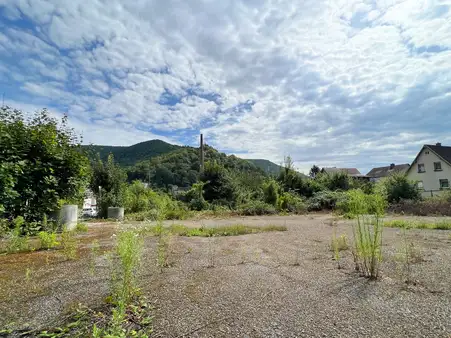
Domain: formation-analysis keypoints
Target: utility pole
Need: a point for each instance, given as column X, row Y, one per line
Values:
column 201, row 153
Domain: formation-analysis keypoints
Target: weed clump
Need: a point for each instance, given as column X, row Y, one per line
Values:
column 367, row 231
column 47, row 240
column 69, row 244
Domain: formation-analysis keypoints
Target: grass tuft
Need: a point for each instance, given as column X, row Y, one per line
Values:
column 439, row 225
column 81, row 227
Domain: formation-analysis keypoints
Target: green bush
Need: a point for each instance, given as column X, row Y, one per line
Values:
column 334, row 181
column 17, row 242
column 397, row 187
column 433, row 206
column 271, row 192
column 326, row 200
column 4, row 227
column 256, row 208
column 198, row 204
column 48, row 240
column 40, row 164
column 291, row 202
column 108, row 183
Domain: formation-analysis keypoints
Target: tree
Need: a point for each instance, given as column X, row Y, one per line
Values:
column 41, row 164
column 108, row 184
column 397, row 187
column 271, row 192
column 314, row 171
column 219, row 184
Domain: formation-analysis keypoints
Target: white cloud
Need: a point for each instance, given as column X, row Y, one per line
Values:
column 331, row 82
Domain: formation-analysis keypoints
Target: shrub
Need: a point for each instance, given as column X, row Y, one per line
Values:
column 48, row 240
column 256, row 208
column 334, row 181
column 433, row 206
column 40, row 164
column 291, row 202
column 326, row 200
column 271, row 192
column 81, row 227
column 4, row 227
column 198, row 204
column 397, row 187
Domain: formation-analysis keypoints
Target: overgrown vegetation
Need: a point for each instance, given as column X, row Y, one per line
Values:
column 41, row 167
column 226, row 230
column 47, row 240
column 438, row 225
column 126, row 313
column 367, row 231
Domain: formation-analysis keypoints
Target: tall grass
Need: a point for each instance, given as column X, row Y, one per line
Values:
column 129, row 250
column 69, row 244
column 367, row 231
column 438, row 225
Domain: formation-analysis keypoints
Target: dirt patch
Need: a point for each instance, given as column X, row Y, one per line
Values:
column 278, row 284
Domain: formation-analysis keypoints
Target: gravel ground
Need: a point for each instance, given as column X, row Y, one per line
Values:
column 276, row 284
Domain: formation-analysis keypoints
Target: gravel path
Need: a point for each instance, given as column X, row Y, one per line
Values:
column 277, row 284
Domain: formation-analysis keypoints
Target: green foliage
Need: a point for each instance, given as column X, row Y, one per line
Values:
column 226, row 230
column 47, row 240
column 40, row 164
column 432, row 206
column 198, row 204
column 218, row 183
column 438, row 225
column 397, row 187
column 315, row 170
column 291, row 202
column 367, row 232
column 69, row 244
column 268, row 167
column 108, row 183
column 326, row 200
column 256, row 208
column 129, row 250
column 334, row 181
column 128, row 156
column 17, row 242
column 181, row 167
column 4, row 227
column 81, row 227
column 271, row 192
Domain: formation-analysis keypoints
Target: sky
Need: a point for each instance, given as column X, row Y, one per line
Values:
column 328, row 82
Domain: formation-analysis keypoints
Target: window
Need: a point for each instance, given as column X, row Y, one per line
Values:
column 426, row 152
column 421, row 168
column 420, row 185
column 437, row 166
column 444, row 184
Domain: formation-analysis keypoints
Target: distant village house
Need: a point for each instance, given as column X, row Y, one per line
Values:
column 376, row 174
column 432, row 169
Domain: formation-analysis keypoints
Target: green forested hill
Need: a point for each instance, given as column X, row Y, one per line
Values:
column 129, row 156
column 267, row 166
column 162, row 164
column 181, row 167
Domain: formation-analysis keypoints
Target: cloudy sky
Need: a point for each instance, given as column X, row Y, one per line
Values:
column 333, row 82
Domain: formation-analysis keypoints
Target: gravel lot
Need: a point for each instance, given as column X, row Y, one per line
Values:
column 276, row 284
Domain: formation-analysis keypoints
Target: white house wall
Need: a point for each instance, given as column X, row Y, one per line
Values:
column 430, row 178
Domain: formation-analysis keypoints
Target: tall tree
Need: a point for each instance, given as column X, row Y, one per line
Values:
column 41, row 164
column 108, row 184
column 315, row 170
